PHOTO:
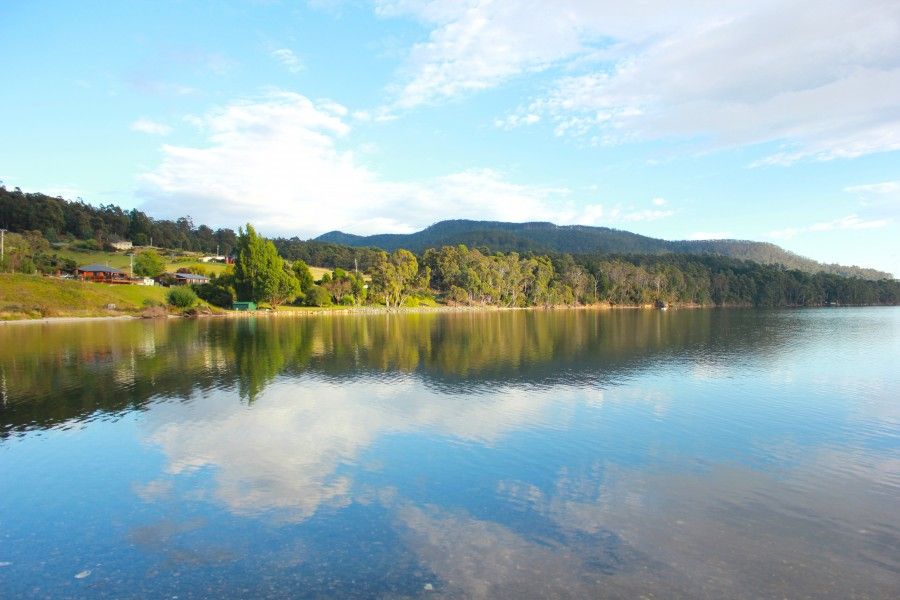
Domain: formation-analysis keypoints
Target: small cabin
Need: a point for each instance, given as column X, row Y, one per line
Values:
column 102, row 274
column 168, row 279
column 243, row 306
column 190, row 279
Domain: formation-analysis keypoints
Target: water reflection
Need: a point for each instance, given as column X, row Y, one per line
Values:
column 497, row 455
column 66, row 372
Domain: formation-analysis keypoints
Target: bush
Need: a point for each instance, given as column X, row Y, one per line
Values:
column 347, row 300
column 215, row 294
column 182, row 297
column 458, row 294
column 88, row 245
column 318, row 296
column 149, row 264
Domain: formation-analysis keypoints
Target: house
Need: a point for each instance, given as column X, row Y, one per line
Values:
column 182, row 279
column 102, row 274
column 122, row 245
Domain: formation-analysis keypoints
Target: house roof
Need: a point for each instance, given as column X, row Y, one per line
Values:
column 99, row 269
column 191, row 276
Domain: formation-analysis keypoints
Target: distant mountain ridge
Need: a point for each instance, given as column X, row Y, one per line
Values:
column 583, row 239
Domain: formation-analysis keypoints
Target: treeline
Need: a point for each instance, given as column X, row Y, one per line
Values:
column 464, row 276
column 325, row 254
column 451, row 273
column 58, row 220
column 470, row 276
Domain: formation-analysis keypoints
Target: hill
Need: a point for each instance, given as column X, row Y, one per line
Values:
column 583, row 239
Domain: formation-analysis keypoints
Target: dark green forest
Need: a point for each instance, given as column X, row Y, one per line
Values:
column 480, row 273
column 58, row 219
column 547, row 238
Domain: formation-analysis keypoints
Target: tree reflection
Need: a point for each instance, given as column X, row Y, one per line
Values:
column 54, row 374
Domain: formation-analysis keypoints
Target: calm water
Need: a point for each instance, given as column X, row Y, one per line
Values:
column 570, row 454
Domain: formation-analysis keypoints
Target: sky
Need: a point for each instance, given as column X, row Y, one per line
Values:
column 776, row 120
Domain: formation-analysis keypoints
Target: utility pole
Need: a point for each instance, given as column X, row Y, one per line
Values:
column 2, row 235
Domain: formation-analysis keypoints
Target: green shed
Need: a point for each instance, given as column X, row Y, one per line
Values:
column 244, row 306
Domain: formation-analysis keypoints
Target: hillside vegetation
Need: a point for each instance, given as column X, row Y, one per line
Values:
column 542, row 237
column 32, row 296
column 455, row 262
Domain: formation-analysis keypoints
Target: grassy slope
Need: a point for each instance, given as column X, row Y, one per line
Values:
column 32, row 296
column 120, row 260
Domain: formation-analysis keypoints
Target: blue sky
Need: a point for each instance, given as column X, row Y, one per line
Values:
column 776, row 121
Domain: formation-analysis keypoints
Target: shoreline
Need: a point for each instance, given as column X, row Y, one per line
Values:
column 373, row 310
column 320, row 311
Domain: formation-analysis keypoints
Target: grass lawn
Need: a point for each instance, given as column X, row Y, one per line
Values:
column 33, row 296
column 120, row 260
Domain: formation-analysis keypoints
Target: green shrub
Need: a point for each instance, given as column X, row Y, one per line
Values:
column 217, row 295
column 182, row 297
column 458, row 294
column 318, row 296
column 149, row 264
column 347, row 300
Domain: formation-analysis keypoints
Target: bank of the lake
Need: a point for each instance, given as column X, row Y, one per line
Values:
column 37, row 299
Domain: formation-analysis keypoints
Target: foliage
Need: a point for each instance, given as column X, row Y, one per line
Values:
column 547, row 238
column 304, row 277
column 149, row 264
column 259, row 273
column 327, row 255
column 96, row 226
column 343, row 285
column 182, row 297
column 396, row 276
column 217, row 292
column 608, row 265
column 287, row 288
column 317, row 296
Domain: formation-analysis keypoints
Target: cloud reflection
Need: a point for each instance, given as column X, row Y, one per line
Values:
column 286, row 452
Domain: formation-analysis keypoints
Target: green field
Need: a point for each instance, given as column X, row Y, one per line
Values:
column 33, row 296
column 120, row 260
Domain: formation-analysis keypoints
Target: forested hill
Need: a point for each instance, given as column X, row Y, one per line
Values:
column 60, row 220
column 581, row 239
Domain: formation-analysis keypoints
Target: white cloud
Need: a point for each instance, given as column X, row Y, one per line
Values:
column 884, row 187
column 151, row 127
column 477, row 45
column 820, row 77
column 659, row 201
column 281, row 161
column 290, row 60
column 516, row 120
column 850, row 222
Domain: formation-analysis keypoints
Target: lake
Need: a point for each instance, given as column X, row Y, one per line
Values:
column 525, row 454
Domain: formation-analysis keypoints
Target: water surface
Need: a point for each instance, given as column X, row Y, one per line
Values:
column 560, row 454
